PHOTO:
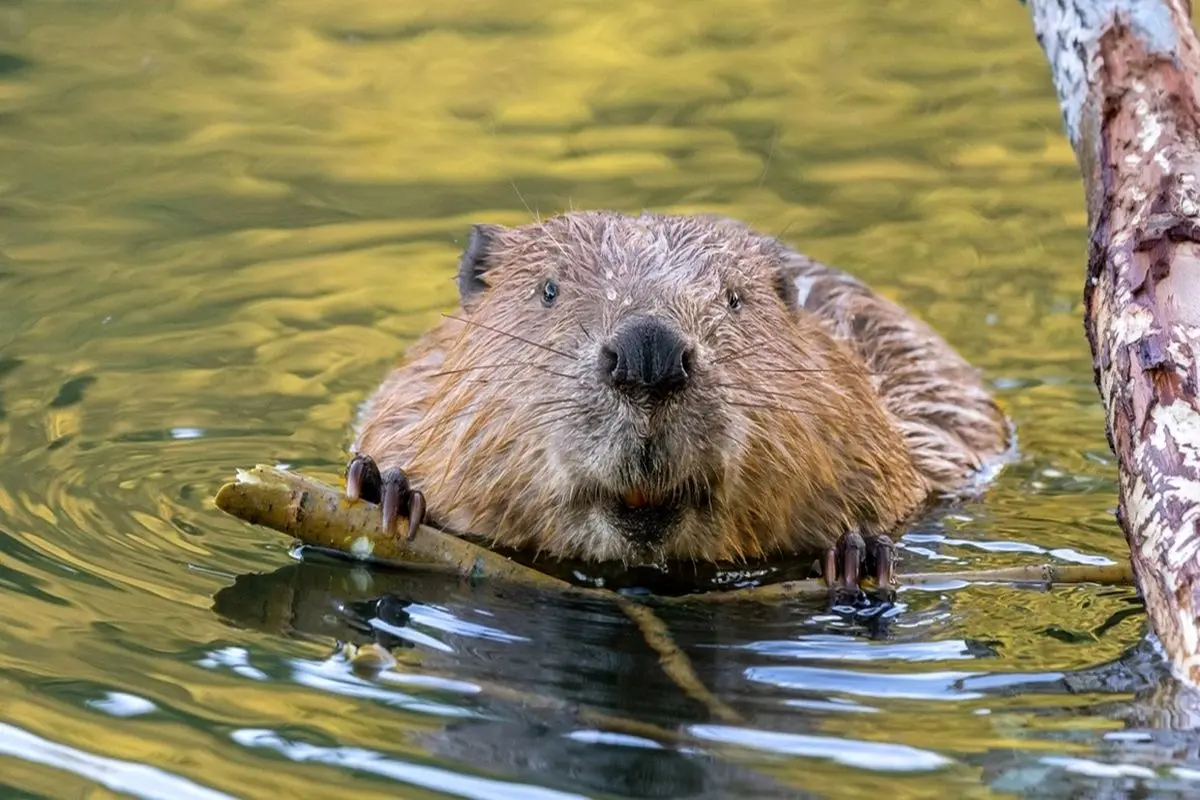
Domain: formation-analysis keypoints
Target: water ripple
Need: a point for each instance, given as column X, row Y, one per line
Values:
column 214, row 240
column 826, row 647
column 915, row 686
column 137, row 780
column 361, row 760
column 874, row 756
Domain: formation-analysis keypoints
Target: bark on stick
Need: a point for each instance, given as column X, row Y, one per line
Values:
column 321, row 516
column 1125, row 72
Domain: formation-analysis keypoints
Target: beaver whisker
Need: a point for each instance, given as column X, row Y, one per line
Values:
column 541, row 419
column 490, row 403
column 519, row 378
column 787, row 227
column 708, row 493
column 542, row 422
column 768, row 407
column 825, row 369
column 521, row 197
column 738, row 355
column 538, row 406
column 750, row 390
column 448, row 372
column 751, row 393
column 708, row 334
column 511, row 335
column 510, row 377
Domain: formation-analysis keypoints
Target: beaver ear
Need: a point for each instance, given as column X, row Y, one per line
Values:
column 476, row 260
column 784, row 281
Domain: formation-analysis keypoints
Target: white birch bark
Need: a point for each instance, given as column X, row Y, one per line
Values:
column 1125, row 72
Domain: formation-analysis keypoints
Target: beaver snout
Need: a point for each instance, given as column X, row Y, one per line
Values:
column 646, row 357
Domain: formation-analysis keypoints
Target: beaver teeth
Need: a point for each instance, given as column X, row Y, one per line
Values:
column 636, row 498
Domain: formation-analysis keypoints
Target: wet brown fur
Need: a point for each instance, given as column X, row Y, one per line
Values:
column 816, row 408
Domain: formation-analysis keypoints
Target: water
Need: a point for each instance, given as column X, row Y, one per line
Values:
column 221, row 223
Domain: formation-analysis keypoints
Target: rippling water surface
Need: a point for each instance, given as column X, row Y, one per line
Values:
column 221, row 222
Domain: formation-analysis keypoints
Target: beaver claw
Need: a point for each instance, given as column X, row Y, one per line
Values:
column 388, row 489
column 856, row 557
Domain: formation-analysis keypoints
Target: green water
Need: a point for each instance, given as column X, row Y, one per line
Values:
column 221, row 222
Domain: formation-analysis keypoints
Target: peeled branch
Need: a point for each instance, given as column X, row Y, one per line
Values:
column 322, row 517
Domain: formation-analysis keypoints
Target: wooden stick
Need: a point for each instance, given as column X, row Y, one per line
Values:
column 583, row 715
column 1126, row 76
column 370, row 660
column 321, row 516
column 1038, row 574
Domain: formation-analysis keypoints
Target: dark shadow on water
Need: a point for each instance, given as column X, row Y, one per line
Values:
column 10, row 64
column 9, row 363
column 584, row 652
column 72, row 391
column 531, row 642
column 1156, row 752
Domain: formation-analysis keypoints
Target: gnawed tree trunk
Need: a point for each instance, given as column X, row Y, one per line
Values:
column 1126, row 75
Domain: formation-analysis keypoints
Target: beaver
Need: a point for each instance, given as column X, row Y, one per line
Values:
column 648, row 388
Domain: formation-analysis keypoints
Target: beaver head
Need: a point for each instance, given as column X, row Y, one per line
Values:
column 639, row 388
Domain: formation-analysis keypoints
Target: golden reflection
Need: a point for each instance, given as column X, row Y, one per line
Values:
column 235, row 216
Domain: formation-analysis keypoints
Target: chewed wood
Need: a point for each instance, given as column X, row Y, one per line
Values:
column 1126, row 76
column 269, row 496
column 1069, row 32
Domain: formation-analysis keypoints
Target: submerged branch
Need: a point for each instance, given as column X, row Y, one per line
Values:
column 674, row 661
column 586, row 716
column 1036, row 574
column 322, row 517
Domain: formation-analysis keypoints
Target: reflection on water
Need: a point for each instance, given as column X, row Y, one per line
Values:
column 219, row 224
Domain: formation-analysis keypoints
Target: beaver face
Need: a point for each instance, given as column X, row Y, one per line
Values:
column 614, row 381
column 648, row 365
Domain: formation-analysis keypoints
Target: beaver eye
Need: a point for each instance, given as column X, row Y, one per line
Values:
column 549, row 293
column 734, row 298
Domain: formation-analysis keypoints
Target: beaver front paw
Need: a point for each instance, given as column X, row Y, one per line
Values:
column 388, row 489
column 856, row 557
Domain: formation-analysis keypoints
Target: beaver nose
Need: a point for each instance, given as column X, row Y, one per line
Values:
column 646, row 356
